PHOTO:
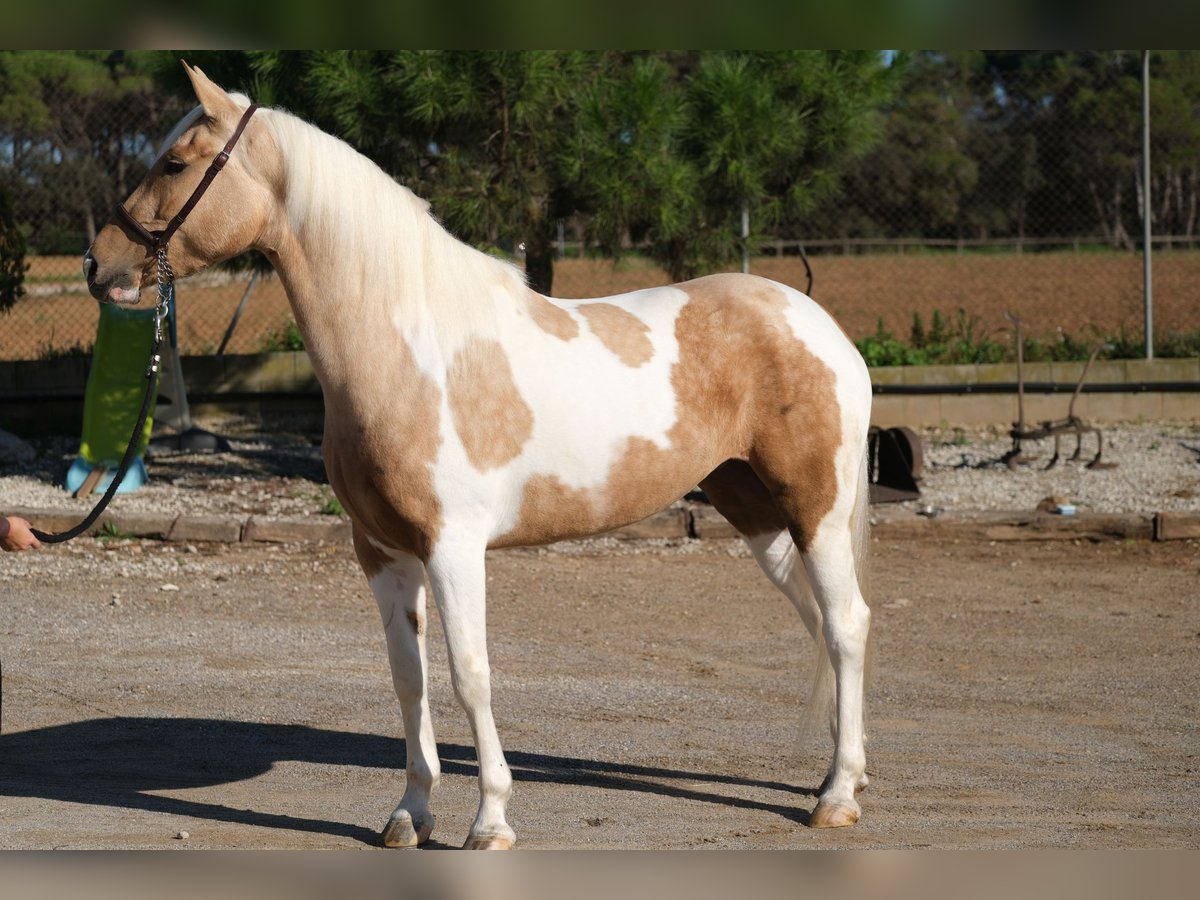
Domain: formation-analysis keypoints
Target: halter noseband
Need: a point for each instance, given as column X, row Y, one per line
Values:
column 157, row 240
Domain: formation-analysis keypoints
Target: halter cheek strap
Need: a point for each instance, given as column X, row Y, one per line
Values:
column 157, row 240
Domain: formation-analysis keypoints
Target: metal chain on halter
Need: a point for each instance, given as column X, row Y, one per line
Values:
column 166, row 283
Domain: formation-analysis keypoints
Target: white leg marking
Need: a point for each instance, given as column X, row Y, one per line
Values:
column 779, row 559
column 400, row 592
column 829, row 562
column 456, row 573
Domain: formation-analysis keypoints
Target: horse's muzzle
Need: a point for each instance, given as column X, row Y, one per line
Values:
column 123, row 290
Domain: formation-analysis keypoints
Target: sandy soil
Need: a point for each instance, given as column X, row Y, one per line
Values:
column 1025, row 695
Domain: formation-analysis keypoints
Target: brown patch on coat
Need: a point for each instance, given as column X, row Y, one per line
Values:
column 644, row 479
column 623, row 333
column 741, row 497
column 781, row 398
column 491, row 418
column 379, row 456
column 417, row 621
column 370, row 560
column 745, row 389
column 550, row 317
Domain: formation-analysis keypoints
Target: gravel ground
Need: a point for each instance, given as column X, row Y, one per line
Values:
column 1025, row 695
column 274, row 472
column 1157, row 470
column 1036, row 694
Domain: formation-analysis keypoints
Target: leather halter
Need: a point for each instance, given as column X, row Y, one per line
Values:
column 157, row 240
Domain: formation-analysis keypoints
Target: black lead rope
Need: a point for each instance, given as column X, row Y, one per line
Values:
column 131, row 450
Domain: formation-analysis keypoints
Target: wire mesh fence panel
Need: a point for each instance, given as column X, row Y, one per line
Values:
column 1079, row 292
column 58, row 317
column 999, row 182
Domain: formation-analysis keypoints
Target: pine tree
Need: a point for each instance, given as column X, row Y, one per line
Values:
column 680, row 146
column 12, row 256
column 81, row 127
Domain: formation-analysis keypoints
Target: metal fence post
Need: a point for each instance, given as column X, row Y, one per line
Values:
column 1147, row 286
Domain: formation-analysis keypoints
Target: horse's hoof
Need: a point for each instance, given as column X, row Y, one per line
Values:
column 832, row 815
column 489, row 842
column 403, row 831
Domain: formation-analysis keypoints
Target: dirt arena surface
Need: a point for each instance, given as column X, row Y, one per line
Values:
column 1026, row 695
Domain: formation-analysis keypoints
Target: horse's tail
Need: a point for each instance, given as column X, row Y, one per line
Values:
column 860, row 526
column 822, row 699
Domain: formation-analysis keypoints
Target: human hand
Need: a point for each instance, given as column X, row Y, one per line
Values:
column 15, row 534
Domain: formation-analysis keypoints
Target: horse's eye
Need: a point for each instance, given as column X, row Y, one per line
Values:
column 174, row 166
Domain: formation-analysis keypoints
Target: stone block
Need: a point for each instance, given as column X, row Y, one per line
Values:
column 296, row 530
column 996, row 373
column 1181, row 406
column 51, row 521
column 1176, row 526
column 887, row 375
column 276, row 372
column 141, row 524
column 1067, row 373
column 978, row 409
column 904, row 409
column 1100, row 408
column 922, row 375
column 1035, row 372
column 1187, row 370
column 1094, row 527
column 206, row 528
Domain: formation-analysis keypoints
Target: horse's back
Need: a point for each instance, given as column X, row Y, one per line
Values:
column 729, row 325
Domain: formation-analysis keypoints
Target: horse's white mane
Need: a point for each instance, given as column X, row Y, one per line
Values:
column 381, row 237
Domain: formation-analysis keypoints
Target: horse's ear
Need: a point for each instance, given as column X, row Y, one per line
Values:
column 217, row 104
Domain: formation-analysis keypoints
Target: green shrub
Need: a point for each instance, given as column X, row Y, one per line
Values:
column 331, row 506
column 884, row 349
column 286, row 338
column 963, row 342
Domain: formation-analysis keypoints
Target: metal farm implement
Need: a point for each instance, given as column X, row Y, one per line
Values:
column 1056, row 429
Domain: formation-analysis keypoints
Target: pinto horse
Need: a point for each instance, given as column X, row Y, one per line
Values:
column 464, row 411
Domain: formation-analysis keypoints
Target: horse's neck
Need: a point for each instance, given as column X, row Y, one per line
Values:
column 354, row 321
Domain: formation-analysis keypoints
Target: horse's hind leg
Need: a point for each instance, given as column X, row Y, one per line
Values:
column 398, row 582
column 738, row 494
column 824, row 501
column 829, row 560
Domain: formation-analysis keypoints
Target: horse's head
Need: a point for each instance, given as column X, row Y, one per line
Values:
column 230, row 216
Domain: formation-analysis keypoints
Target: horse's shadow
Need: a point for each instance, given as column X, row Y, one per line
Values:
column 117, row 762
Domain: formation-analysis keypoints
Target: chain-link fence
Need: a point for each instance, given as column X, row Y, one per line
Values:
column 1011, row 186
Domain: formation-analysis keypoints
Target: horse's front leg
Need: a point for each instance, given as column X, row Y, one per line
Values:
column 398, row 582
column 456, row 573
